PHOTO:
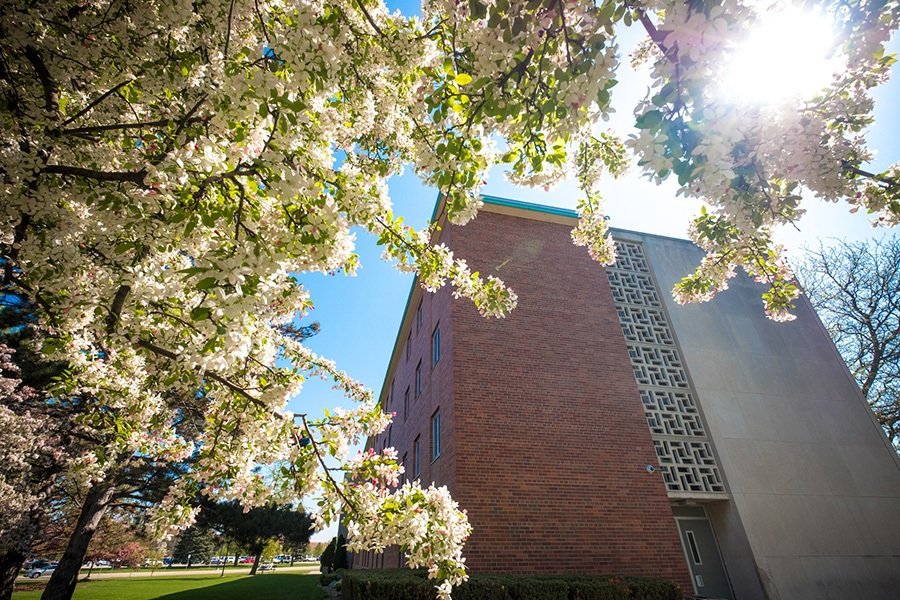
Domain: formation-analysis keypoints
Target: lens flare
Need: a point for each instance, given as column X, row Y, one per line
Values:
column 785, row 56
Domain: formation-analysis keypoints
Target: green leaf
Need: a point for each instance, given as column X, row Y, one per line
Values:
column 207, row 283
column 649, row 120
column 200, row 313
column 463, row 79
column 478, row 10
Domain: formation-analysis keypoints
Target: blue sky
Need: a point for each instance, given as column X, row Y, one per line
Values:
column 360, row 316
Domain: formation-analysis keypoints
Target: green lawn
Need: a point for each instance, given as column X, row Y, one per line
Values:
column 270, row 586
column 246, row 567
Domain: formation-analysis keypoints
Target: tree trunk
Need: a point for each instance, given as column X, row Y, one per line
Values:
column 10, row 565
column 62, row 582
column 255, row 563
column 236, row 556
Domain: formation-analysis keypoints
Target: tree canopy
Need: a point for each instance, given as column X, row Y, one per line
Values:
column 167, row 168
column 254, row 528
column 855, row 288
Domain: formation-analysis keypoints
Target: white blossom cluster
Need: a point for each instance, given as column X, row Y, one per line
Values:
column 26, row 446
column 748, row 161
column 170, row 169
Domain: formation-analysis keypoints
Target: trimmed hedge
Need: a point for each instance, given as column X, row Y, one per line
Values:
column 404, row 584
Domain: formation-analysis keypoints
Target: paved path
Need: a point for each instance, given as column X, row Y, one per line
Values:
column 118, row 574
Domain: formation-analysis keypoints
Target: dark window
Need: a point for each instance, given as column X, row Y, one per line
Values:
column 435, row 435
column 406, row 403
column 416, row 457
column 405, row 468
column 436, row 346
column 419, row 318
column 391, row 395
column 695, row 552
column 419, row 379
column 408, row 344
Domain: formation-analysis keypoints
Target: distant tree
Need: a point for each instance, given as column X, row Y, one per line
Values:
column 195, row 545
column 855, row 288
column 272, row 549
column 118, row 539
column 131, row 555
column 255, row 528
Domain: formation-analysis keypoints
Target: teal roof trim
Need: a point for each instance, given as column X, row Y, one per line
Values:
column 498, row 201
column 541, row 208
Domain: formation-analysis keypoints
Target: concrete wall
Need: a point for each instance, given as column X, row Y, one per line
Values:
column 814, row 483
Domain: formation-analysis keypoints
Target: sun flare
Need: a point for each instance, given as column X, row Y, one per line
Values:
column 786, row 55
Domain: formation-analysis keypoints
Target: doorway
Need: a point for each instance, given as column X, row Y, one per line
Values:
column 701, row 551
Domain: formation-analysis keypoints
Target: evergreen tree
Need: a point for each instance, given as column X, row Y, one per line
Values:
column 195, row 545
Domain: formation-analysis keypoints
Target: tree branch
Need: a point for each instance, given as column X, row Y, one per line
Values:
column 214, row 376
column 654, row 33
column 117, row 126
column 116, row 309
column 362, row 8
column 50, row 98
column 95, row 102
column 228, row 31
column 136, row 177
column 325, row 468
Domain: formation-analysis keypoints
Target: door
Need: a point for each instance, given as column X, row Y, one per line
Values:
column 702, row 554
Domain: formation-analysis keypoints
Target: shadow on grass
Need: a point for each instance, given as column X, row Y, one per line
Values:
column 269, row 586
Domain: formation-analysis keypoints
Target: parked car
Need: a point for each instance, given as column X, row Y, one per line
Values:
column 35, row 573
column 246, row 560
column 35, row 563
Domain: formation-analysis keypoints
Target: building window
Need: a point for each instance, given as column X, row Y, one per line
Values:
column 416, row 458
column 406, row 403
column 391, row 395
column 419, row 379
column 408, row 344
column 405, row 468
column 435, row 435
column 436, row 346
column 419, row 318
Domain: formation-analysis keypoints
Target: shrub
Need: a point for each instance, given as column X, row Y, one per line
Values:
column 402, row 584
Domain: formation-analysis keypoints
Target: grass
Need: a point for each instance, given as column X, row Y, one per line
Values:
column 246, row 567
column 271, row 586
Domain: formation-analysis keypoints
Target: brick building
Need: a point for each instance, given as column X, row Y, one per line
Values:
column 602, row 428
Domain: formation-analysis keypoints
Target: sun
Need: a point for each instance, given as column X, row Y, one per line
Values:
column 786, row 55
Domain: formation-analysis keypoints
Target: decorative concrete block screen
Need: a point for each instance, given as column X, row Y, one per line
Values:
column 685, row 454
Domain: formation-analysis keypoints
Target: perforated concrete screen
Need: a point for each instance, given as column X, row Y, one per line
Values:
column 685, row 454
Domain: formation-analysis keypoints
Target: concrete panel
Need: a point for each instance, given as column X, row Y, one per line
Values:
column 736, row 551
column 815, row 487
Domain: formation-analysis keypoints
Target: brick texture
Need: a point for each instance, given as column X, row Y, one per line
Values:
column 544, row 441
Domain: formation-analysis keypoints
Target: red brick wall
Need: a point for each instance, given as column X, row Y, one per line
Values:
column 551, row 438
column 437, row 394
column 544, row 441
